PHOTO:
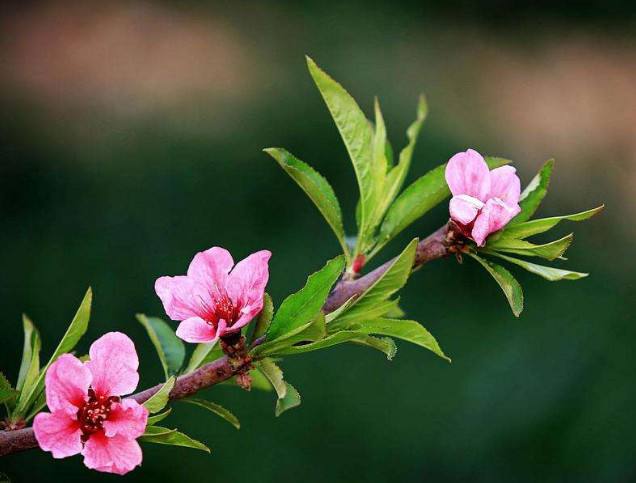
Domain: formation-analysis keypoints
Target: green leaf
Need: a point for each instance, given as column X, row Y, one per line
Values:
column 29, row 368
column 329, row 341
column 549, row 273
column 316, row 187
column 74, row 333
column 357, row 135
column 408, row 330
column 549, row 251
column 37, row 406
column 331, row 316
column 418, row 198
column 372, row 311
column 264, row 318
column 397, row 175
column 302, row 307
column 200, row 355
column 509, row 285
column 216, row 409
column 274, row 375
column 541, row 225
column 289, row 401
column 259, row 381
column 159, row 400
column 534, row 193
column 172, row 437
column 379, row 167
column 159, row 417
column 157, row 430
column 383, row 344
column 31, row 342
column 7, row 393
column 314, row 330
column 390, row 282
column 170, row 348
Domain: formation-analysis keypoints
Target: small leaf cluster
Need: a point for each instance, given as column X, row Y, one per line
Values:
column 512, row 240
column 383, row 210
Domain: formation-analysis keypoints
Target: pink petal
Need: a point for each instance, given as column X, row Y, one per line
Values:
column 493, row 217
column 113, row 363
column 211, row 269
column 467, row 174
column 182, row 297
column 117, row 455
column 197, row 330
column 67, row 381
column 128, row 418
column 58, row 433
column 246, row 284
column 505, row 184
column 464, row 208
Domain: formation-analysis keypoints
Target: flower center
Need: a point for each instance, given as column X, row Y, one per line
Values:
column 94, row 412
column 222, row 309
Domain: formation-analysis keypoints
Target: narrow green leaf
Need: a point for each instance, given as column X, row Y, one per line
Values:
column 397, row 175
column 7, row 393
column 169, row 347
column 172, row 437
column 314, row 330
column 316, row 187
column 418, row 198
column 329, row 341
column 37, row 406
column 159, row 417
column 390, row 282
column 74, row 333
column 385, row 345
column 264, row 318
column 549, row 251
column 30, row 336
column 159, row 400
column 157, row 431
column 274, row 375
column 509, row 285
column 549, row 273
column 200, row 354
column 216, row 409
column 357, row 135
column 291, row 400
column 541, row 225
column 302, row 307
column 29, row 372
column 533, row 194
column 408, row 330
column 370, row 312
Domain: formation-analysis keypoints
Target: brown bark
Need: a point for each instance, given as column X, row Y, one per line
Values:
column 437, row 245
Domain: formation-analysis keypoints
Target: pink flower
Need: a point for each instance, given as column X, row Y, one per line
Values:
column 210, row 301
column 88, row 415
column 483, row 201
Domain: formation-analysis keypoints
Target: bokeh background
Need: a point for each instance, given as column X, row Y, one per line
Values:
column 131, row 136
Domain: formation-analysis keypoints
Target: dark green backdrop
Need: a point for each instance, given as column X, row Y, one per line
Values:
column 118, row 163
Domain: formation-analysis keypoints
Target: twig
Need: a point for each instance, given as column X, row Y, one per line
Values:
column 437, row 245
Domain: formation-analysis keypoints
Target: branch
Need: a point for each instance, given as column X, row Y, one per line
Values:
column 435, row 246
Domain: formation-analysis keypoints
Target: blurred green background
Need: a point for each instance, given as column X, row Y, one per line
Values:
column 131, row 138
